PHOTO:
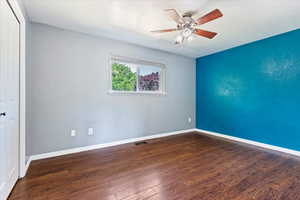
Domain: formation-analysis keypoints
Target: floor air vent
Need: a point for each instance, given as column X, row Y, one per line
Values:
column 141, row 143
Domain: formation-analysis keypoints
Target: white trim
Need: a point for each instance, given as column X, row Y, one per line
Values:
column 104, row 145
column 27, row 164
column 18, row 12
column 135, row 61
column 259, row 144
column 200, row 131
column 114, row 92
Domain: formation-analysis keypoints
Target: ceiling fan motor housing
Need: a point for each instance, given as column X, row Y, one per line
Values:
column 187, row 14
column 189, row 23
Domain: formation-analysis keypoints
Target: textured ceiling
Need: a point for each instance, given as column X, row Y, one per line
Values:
column 244, row 21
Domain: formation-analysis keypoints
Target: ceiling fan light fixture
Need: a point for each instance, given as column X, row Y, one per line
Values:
column 179, row 39
column 189, row 39
column 187, row 32
column 189, row 27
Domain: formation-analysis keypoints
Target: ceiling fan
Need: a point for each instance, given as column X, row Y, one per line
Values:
column 188, row 26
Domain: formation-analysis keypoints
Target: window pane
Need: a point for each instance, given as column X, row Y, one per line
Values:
column 149, row 78
column 123, row 77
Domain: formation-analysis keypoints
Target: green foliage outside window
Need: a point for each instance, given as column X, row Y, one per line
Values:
column 123, row 79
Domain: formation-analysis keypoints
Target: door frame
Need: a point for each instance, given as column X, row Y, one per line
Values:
column 16, row 9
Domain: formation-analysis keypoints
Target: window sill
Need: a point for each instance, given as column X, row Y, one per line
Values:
column 113, row 92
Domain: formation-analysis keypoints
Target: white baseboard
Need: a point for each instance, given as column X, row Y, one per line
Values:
column 26, row 167
column 259, row 144
column 99, row 146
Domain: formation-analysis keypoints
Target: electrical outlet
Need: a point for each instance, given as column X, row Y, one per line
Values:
column 73, row 133
column 190, row 120
column 91, row 131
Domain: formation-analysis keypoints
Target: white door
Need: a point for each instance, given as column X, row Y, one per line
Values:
column 9, row 99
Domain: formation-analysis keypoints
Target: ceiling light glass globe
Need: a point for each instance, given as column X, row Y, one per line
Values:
column 187, row 32
column 189, row 39
column 179, row 39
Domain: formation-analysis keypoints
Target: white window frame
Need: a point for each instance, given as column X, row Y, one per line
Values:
column 123, row 59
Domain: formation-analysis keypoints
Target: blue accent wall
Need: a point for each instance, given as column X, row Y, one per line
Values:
column 252, row 91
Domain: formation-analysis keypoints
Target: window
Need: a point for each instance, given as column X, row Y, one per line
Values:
column 136, row 76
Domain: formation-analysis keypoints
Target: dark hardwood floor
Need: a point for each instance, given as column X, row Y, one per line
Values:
column 189, row 166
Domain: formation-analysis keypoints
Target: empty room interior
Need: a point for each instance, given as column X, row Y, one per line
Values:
column 149, row 100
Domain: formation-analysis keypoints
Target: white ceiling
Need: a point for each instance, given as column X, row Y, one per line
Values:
column 244, row 21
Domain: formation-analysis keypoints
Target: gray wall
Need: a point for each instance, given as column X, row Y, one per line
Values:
column 69, row 90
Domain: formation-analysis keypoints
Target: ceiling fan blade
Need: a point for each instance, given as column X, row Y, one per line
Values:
column 205, row 33
column 173, row 14
column 165, row 30
column 215, row 14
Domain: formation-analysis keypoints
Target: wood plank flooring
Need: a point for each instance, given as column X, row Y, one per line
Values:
column 184, row 167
